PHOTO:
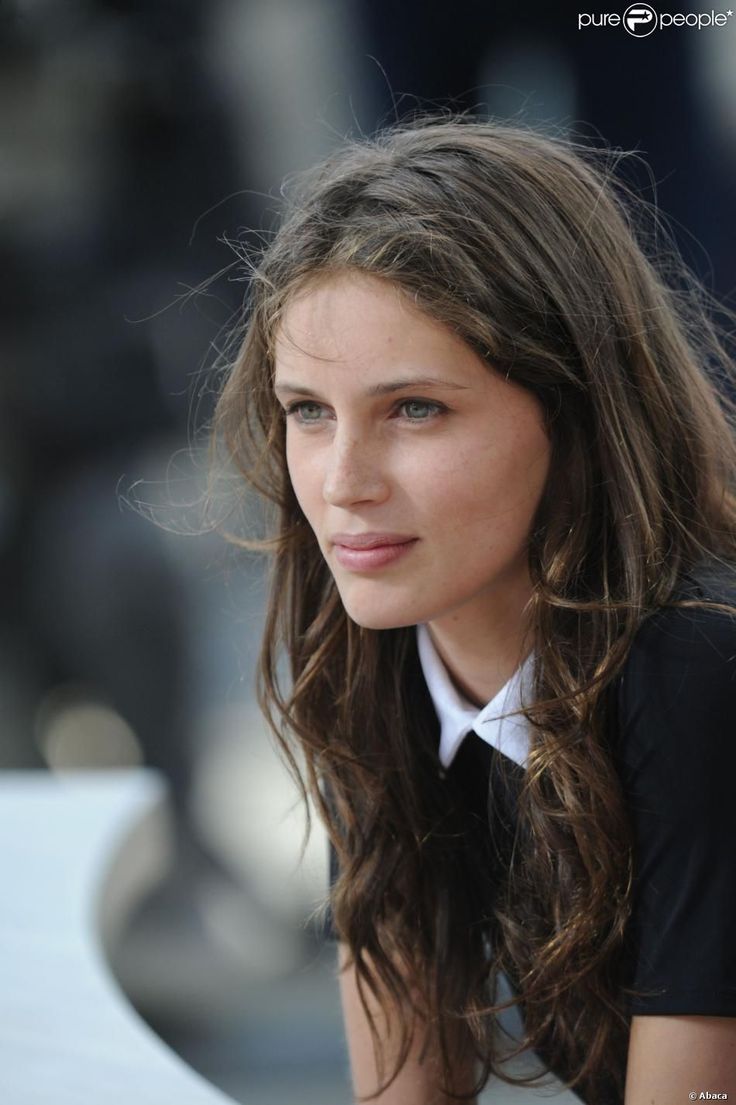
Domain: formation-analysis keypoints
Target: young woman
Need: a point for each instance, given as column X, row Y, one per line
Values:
column 503, row 578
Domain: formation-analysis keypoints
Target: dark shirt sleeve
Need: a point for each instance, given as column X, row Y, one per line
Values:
column 677, row 714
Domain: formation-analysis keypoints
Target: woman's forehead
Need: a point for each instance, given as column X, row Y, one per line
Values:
column 357, row 317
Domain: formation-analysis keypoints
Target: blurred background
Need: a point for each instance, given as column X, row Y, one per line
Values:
column 138, row 139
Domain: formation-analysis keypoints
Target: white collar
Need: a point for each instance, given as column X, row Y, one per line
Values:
column 457, row 716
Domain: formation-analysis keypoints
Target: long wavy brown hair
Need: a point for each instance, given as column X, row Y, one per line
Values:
column 533, row 250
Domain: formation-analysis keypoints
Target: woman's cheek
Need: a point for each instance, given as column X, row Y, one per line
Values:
column 304, row 476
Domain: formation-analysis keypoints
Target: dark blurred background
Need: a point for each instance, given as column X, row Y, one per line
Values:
column 136, row 138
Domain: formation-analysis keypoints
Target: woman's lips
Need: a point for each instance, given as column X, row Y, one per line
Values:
column 365, row 551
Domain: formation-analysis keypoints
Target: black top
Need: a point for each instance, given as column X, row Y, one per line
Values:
column 676, row 758
column 674, row 748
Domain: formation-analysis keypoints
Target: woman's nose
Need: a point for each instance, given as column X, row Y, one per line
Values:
column 354, row 472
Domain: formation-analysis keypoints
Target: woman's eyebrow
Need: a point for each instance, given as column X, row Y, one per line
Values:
column 380, row 389
column 414, row 382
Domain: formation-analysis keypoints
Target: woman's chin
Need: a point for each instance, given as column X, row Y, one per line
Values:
column 373, row 616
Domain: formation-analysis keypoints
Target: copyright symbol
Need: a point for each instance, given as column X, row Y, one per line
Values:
column 692, row 1095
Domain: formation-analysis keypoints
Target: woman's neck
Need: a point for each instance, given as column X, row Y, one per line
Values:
column 482, row 645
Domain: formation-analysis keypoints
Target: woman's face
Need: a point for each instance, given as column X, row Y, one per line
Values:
column 417, row 467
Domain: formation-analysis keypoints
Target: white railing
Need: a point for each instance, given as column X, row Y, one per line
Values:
column 69, row 870
column 77, row 852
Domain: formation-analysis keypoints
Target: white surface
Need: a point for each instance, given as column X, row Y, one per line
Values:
column 74, row 850
column 68, row 1036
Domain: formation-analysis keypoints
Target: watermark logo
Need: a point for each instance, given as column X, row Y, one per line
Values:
column 640, row 20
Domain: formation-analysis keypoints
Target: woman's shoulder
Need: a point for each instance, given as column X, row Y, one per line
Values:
column 678, row 683
column 677, row 764
column 701, row 629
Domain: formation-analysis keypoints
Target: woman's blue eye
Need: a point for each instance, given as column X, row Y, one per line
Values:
column 306, row 411
column 419, row 410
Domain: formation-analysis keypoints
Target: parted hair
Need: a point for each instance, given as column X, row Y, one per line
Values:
column 534, row 251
